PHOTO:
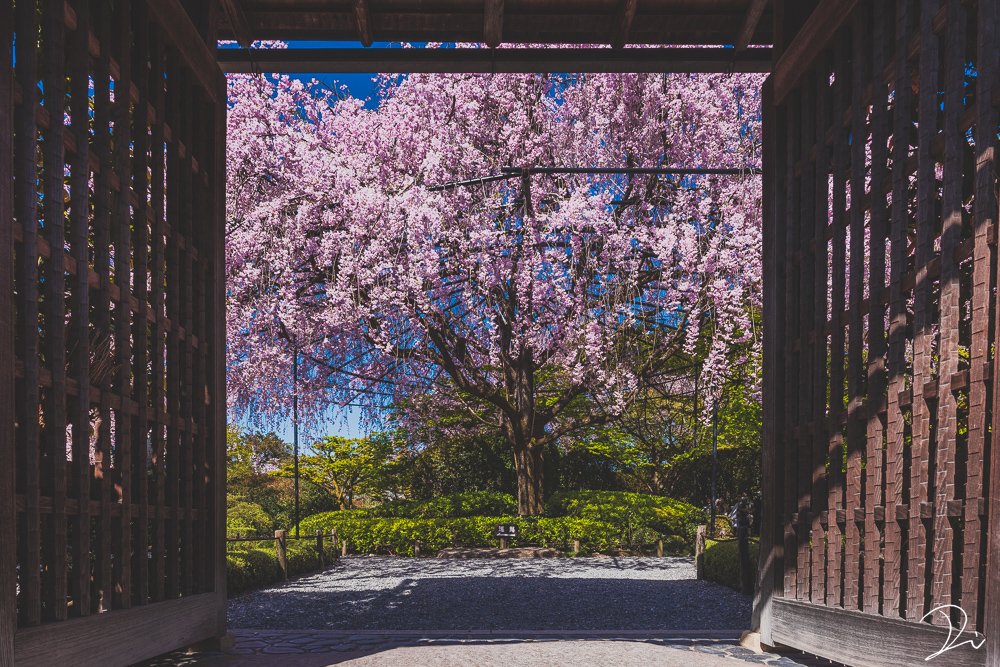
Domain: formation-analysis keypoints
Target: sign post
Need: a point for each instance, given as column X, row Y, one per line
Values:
column 505, row 531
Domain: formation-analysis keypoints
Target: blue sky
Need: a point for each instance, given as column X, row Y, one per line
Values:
column 344, row 422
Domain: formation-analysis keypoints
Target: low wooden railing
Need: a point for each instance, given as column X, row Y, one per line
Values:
column 281, row 538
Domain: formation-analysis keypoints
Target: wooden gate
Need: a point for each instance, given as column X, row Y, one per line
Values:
column 881, row 476
column 112, row 404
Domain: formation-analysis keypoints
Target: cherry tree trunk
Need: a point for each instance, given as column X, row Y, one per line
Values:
column 528, row 461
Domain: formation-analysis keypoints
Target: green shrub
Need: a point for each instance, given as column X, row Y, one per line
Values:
column 470, row 503
column 246, row 518
column 601, row 520
column 366, row 534
column 640, row 518
column 722, row 561
column 251, row 565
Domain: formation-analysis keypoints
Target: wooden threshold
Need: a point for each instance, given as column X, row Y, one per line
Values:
column 121, row 637
column 866, row 640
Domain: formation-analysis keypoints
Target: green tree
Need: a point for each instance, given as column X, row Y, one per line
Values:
column 252, row 454
column 348, row 468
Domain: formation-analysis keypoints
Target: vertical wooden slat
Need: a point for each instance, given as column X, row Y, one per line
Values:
column 200, row 224
column 8, row 486
column 187, row 352
column 79, row 66
column 173, row 379
column 838, row 294
column 950, row 303
column 818, row 341
column 899, row 226
column 26, row 202
column 790, row 410
column 807, row 336
column 922, row 319
column 123, row 316
column 140, row 327
column 876, row 398
column 157, row 270
column 984, row 258
column 855, row 389
column 54, row 62
column 103, row 202
column 217, row 422
column 771, row 551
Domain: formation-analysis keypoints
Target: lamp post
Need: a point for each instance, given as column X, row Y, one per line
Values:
column 715, row 450
column 295, row 432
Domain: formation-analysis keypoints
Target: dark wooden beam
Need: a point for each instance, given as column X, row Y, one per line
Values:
column 868, row 640
column 694, row 28
column 623, row 23
column 472, row 60
column 815, row 35
column 8, row 516
column 238, row 22
column 750, row 22
column 493, row 22
column 363, row 21
column 179, row 30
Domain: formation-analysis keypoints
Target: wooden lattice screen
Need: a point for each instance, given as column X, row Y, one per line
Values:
column 111, row 340
column 881, row 326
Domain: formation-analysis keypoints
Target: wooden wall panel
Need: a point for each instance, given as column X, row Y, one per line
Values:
column 117, row 454
column 906, row 250
column 8, row 516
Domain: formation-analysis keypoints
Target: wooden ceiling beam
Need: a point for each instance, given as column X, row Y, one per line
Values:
column 514, row 60
column 238, row 22
column 750, row 23
column 493, row 23
column 818, row 32
column 623, row 23
column 363, row 22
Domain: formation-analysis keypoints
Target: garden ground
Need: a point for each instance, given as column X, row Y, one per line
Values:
column 369, row 610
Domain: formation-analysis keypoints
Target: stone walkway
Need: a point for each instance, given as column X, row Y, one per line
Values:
column 270, row 648
column 369, row 611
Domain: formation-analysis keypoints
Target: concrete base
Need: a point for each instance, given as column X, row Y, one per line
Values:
column 751, row 640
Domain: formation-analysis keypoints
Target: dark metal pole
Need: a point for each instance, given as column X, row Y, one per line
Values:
column 715, row 446
column 295, row 431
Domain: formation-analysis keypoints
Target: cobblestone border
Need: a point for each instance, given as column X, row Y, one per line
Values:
column 273, row 642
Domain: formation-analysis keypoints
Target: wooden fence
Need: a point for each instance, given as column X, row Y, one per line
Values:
column 881, row 476
column 112, row 411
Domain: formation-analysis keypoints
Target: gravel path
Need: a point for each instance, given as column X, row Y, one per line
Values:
column 385, row 593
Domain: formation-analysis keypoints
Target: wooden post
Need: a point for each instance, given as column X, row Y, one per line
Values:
column 319, row 548
column 416, row 547
column 699, row 552
column 503, row 542
column 281, row 549
column 659, row 548
column 576, row 545
column 8, row 519
column 770, row 566
column 343, row 547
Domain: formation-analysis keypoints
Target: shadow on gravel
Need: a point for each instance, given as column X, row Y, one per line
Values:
column 495, row 603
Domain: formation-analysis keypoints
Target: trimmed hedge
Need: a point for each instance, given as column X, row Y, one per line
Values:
column 251, row 565
column 601, row 520
column 639, row 518
column 398, row 535
column 722, row 561
column 471, row 503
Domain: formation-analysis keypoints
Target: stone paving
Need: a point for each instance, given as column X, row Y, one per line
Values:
column 368, row 611
column 315, row 648
column 254, row 648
